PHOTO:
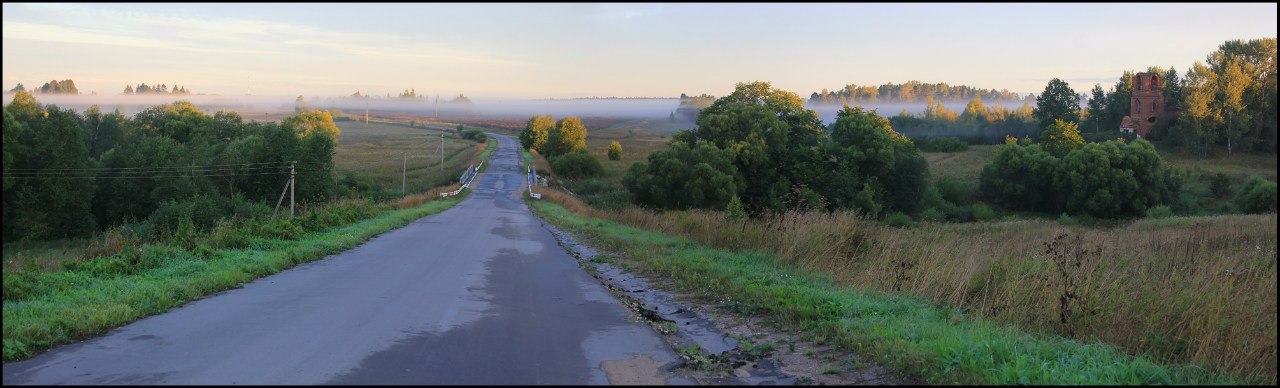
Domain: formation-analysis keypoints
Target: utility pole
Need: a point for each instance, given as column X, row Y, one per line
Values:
column 366, row 111
column 292, row 182
column 442, row 150
column 403, row 170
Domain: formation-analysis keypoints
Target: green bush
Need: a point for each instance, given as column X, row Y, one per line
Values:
column 933, row 214
column 954, row 190
column 1065, row 219
column 615, row 150
column 1162, row 211
column 942, row 144
column 683, row 177
column 982, row 212
column 475, row 135
column 600, row 193
column 899, row 220
column 576, row 165
column 1257, row 196
column 1104, row 180
column 1219, row 184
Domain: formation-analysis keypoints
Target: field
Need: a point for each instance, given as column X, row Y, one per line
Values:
column 965, row 166
column 374, row 155
column 937, row 302
column 1181, row 290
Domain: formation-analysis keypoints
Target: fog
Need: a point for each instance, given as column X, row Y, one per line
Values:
column 619, row 108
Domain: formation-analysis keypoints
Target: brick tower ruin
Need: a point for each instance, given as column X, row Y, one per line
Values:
column 1146, row 106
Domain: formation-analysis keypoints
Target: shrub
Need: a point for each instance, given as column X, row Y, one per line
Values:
column 1162, row 211
column 576, row 165
column 683, row 177
column 982, row 212
column 600, row 193
column 942, row 144
column 475, row 135
column 933, row 214
column 615, row 150
column 954, row 190
column 1065, row 219
column 1257, row 196
column 900, row 219
column 1219, row 184
column 734, row 210
column 1061, row 137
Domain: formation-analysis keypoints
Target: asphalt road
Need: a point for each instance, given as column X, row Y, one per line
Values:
column 477, row 294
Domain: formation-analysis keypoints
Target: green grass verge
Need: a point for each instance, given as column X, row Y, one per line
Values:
column 526, row 157
column 906, row 334
column 488, row 150
column 84, row 303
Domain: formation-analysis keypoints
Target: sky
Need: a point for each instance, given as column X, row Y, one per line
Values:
column 565, row 50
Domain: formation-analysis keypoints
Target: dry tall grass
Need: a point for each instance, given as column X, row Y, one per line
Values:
column 1190, row 290
column 415, row 200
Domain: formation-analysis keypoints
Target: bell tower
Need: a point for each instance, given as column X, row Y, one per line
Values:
column 1147, row 103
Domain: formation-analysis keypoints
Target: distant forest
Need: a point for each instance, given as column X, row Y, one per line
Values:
column 156, row 89
column 51, row 87
column 911, row 91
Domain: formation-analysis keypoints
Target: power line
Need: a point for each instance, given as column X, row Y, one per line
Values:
column 135, row 168
column 145, row 176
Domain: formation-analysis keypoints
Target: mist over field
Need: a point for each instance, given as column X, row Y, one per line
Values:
column 605, row 107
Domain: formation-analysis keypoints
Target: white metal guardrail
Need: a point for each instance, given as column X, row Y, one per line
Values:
column 466, row 179
column 533, row 180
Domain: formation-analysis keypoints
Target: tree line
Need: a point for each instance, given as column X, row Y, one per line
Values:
column 760, row 149
column 156, row 89
column 52, row 87
column 69, row 174
column 911, row 91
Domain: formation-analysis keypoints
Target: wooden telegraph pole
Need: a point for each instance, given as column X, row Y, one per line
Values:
column 292, row 183
column 404, row 168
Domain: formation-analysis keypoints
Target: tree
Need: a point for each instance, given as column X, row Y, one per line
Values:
column 1061, row 137
column 1020, row 177
column 536, row 130
column 1112, row 179
column 1097, row 109
column 685, row 177
column 1058, row 102
column 774, row 140
column 18, row 88
column 128, row 89
column 869, row 166
column 46, row 203
column 314, row 121
column 975, row 112
column 569, row 135
column 615, row 150
column 1236, row 119
column 575, row 165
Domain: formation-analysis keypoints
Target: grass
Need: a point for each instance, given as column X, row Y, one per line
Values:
column 486, row 150
column 1239, row 165
column 43, row 309
column 907, row 333
column 374, row 155
column 1152, row 296
column 965, row 166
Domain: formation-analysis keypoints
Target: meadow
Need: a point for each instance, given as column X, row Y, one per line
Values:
column 378, row 155
column 854, row 284
column 1188, row 290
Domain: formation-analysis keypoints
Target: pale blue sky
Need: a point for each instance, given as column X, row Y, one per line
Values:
column 493, row 51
